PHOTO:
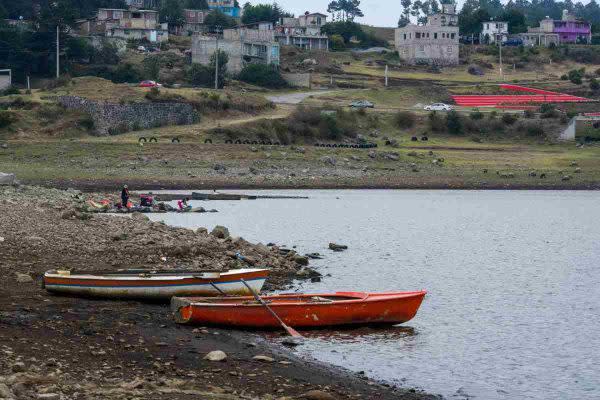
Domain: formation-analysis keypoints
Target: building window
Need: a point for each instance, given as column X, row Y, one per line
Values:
column 487, row 26
column 443, row 35
column 405, row 36
column 435, row 35
column 427, row 35
column 452, row 35
column 417, row 35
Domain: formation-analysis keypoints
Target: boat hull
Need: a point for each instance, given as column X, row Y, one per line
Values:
column 296, row 311
column 163, row 287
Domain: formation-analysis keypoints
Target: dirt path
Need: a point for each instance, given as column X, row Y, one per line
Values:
column 295, row 98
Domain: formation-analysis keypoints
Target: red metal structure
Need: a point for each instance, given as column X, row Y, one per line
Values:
column 517, row 101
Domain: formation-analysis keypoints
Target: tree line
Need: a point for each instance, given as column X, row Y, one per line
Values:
column 518, row 13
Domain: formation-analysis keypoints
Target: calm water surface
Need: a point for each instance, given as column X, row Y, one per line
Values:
column 513, row 310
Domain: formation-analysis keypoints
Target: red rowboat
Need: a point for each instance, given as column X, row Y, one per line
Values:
column 300, row 311
column 155, row 284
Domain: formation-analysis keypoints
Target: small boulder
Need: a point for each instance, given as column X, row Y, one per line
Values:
column 220, row 167
column 577, row 170
column 337, row 247
column 263, row 358
column 392, row 156
column 23, row 278
column 329, row 160
column 317, row 395
column 18, row 366
column 216, row 355
column 220, row 232
column 8, row 179
column 565, row 178
column 301, row 260
column 372, row 154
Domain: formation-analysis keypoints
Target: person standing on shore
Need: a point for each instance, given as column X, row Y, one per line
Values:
column 125, row 197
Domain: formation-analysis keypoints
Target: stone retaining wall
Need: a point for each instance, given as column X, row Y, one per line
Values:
column 302, row 80
column 114, row 119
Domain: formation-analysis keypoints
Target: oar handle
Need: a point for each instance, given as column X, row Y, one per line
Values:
column 289, row 329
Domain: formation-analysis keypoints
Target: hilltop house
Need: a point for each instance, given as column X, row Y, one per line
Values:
column 491, row 31
column 125, row 24
column 568, row 29
column 227, row 7
column 243, row 46
column 303, row 32
column 436, row 42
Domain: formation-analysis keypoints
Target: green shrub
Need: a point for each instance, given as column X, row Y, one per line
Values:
column 476, row 115
column 10, row 90
column 509, row 119
column 336, row 42
column 87, row 122
column 594, row 84
column 201, row 75
column 576, row 76
column 405, row 119
column 548, row 110
column 125, row 73
column 436, row 123
column 564, row 77
column 493, row 115
column 454, row 123
column 262, row 75
column 528, row 114
column 6, row 119
column 531, row 129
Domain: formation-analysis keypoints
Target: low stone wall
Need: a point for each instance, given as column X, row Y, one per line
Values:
column 302, row 80
column 113, row 119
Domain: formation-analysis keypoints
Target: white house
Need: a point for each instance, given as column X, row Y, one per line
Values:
column 494, row 30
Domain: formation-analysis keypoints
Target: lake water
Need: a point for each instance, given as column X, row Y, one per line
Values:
column 513, row 310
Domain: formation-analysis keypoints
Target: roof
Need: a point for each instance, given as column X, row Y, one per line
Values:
column 495, row 22
column 317, row 13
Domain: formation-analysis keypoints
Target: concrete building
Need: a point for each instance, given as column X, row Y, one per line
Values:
column 194, row 21
column 566, row 30
column 243, row 45
column 436, row 42
column 125, row 24
column 582, row 127
column 303, row 32
column 227, row 7
column 492, row 31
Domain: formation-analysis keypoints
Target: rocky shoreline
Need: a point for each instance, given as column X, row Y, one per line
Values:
column 61, row 348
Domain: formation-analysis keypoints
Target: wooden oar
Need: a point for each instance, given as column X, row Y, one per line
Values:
column 289, row 329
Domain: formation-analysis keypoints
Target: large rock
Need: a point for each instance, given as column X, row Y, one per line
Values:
column 220, row 232
column 216, row 355
column 337, row 247
column 317, row 395
column 7, row 179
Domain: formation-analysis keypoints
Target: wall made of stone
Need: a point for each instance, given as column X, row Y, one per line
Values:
column 112, row 119
column 203, row 47
column 298, row 80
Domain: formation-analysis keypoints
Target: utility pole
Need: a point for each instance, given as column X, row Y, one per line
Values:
column 499, row 38
column 386, row 75
column 218, row 30
column 57, row 51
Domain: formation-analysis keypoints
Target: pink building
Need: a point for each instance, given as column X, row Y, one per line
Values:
column 566, row 30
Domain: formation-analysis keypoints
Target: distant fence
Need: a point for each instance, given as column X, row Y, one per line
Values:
column 5, row 78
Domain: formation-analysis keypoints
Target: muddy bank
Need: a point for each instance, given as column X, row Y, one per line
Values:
column 61, row 348
column 381, row 182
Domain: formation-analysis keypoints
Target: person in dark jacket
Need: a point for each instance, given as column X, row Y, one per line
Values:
column 125, row 196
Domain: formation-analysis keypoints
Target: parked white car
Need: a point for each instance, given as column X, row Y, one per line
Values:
column 438, row 107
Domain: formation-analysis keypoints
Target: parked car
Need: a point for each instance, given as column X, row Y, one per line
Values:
column 362, row 104
column 150, row 84
column 513, row 42
column 438, row 107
